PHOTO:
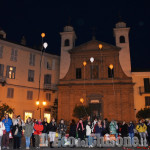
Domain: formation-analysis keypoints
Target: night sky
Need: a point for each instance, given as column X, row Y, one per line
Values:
column 31, row 17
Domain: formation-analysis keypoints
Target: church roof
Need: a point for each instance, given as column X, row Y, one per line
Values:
column 94, row 45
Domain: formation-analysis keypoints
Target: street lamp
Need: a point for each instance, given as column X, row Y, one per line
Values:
column 39, row 108
column 91, row 59
column 81, row 100
column 44, row 46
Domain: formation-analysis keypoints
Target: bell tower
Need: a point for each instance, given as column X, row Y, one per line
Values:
column 68, row 37
column 121, row 33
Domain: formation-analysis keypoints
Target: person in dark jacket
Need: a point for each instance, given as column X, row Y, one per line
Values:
column 124, row 129
column 131, row 130
column 148, row 132
column 62, row 128
column 45, row 132
column 105, row 126
column 17, row 134
column 73, row 126
column 80, row 129
column 98, row 130
column 52, row 127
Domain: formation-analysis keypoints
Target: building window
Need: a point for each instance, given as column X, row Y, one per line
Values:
column 47, row 79
column 29, row 95
column 48, row 96
column 49, row 64
column 1, row 70
column 147, row 85
column 147, row 101
column 10, row 93
column 110, row 72
column 14, row 53
column 32, row 59
column 30, row 75
column 67, row 42
column 78, row 73
column 11, row 72
column 1, row 51
column 122, row 39
column 94, row 72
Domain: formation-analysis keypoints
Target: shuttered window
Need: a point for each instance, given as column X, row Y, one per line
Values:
column 1, row 70
column 147, row 85
column 29, row 95
column 48, row 96
column 32, row 59
column 1, row 51
column 147, row 101
column 10, row 93
column 14, row 54
column 30, row 75
column 47, row 79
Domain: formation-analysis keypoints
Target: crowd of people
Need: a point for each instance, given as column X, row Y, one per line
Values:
column 34, row 129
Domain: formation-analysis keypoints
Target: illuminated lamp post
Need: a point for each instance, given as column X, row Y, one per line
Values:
column 39, row 108
column 44, row 46
column 100, row 47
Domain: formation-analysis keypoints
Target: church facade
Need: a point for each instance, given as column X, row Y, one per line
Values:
column 99, row 73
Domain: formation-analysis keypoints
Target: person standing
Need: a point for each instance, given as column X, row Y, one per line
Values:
column 148, row 132
column 17, row 134
column 52, row 131
column 7, row 123
column 45, row 132
column 99, row 130
column 28, row 131
column 93, row 125
column 38, row 128
column 88, row 134
column 62, row 128
column 33, row 138
column 80, row 129
column 131, row 131
column 73, row 126
column 142, row 128
column 2, row 129
column 124, row 129
column 113, row 128
column 15, row 122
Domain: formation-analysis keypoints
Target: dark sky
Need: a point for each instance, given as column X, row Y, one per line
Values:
column 31, row 17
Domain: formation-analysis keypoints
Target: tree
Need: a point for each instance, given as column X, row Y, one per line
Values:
column 4, row 108
column 143, row 113
column 54, row 109
column 81, row 111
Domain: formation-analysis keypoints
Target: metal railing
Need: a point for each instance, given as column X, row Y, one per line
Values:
column 143, row 90
column 2, row 79
column 52, row 87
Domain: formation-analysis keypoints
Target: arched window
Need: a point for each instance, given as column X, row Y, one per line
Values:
column 67, row 42
column 122, row 39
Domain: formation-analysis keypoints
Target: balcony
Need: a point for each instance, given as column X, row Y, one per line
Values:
column 2, row 80
column 143, row 90
column 51, row 87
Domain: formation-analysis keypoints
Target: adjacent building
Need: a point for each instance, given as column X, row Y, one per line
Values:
column 19, row 78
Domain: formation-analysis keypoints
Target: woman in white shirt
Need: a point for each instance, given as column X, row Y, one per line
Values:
column 2, row 128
